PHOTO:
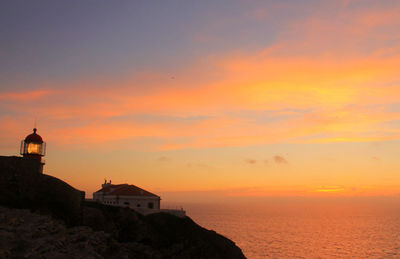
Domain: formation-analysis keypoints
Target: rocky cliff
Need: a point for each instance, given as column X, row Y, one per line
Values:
column 44, row 217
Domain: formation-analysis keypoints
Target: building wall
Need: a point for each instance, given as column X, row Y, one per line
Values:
column 133, row 202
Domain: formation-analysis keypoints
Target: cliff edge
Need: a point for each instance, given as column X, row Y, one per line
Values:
column 44, row 217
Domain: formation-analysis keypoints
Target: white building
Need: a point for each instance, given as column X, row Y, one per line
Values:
column 126, row 195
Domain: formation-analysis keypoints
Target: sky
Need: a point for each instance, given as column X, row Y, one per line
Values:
column 203, row 100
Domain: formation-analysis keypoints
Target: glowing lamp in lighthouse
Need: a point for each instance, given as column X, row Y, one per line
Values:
column 33, row 146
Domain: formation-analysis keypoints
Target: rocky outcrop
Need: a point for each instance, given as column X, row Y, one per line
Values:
column 24, row 234
column 63, row 225
column 166, row 235
column 28, row 235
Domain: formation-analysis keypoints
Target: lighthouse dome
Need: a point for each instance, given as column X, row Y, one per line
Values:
column 34, row 137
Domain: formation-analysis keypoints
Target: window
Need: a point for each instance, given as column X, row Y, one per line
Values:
column 33, row 148
column 150, row 205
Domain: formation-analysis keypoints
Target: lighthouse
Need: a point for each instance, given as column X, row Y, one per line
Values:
column 33, row 147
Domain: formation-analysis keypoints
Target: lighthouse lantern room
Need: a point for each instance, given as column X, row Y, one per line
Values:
column 33, row 146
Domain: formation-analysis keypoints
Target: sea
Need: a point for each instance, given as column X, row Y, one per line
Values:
column 306, row 228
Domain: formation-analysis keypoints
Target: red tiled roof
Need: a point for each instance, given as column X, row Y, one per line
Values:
column 125, row 189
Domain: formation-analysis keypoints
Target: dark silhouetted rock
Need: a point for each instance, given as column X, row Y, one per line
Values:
column 22, row 185
column 82, row 229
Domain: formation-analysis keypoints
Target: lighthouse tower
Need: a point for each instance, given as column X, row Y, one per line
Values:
column 34, row 147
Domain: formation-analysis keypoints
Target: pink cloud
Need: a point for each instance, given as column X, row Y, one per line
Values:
column 315, row 65
column 25, row 95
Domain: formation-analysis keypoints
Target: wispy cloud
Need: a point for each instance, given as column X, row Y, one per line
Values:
column 163, row 159
column 280, row 160
column 251, row 161
column 197, row 165
column 304, row 87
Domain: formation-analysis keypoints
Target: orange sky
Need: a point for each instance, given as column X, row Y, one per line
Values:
column 282, row 100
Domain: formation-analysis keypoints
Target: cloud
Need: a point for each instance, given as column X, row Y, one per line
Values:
column 275, row 191
column 197, row 165
column 251, row 161
column 302, row 88
column 328, row 189
column 163, row 159
column 280, row 160
column 25, row 96
column 345, row 100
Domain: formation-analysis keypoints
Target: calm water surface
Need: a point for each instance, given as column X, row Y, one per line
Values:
column 306, row 229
